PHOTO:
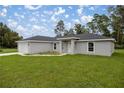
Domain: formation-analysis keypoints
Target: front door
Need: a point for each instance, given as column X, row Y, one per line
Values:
column 64, row 47
column 69, row 47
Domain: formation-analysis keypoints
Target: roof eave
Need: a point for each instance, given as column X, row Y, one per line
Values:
column 111, row 39
column 67, row 38
column 31, row 41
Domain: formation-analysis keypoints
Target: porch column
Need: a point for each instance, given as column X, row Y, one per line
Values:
column 72, row 46
column 60, row 46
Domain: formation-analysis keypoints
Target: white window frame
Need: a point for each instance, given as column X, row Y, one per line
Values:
column 93, row 47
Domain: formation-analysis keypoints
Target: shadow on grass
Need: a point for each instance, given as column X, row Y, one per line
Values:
column 117, row 54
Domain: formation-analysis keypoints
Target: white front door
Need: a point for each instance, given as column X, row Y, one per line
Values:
column 64, row 47
column 69, row 47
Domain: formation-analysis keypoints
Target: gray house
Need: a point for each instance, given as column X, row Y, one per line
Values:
column 91, row 44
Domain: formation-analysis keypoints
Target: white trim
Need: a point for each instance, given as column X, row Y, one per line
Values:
column 91, row 52
column 98, row 40
column 33, row 41
column 60, row 47
column 66, row 38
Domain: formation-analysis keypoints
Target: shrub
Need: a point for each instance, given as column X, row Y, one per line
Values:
column 117, row 46
column 50, row 53
column 0, row 50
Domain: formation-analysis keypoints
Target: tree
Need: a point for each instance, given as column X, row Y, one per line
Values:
column 59, row 30
column 84, row 29
column 8, row 37
column 104, row 25
column 100, row 24
column 71, row 31
column 91, row 27
column 79, row 29
column 66, row 32
column 117, row 21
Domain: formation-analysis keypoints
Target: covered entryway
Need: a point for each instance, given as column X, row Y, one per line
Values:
column 67, row 45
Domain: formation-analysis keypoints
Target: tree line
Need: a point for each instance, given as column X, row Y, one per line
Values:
column 8, row 37
column 111, row 25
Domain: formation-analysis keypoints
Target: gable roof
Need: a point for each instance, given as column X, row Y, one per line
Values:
column 86, row 36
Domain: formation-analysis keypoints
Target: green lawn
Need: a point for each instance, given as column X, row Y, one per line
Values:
column 65, row 71
column 7, row 50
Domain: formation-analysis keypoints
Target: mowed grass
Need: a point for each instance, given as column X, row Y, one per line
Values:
column 7, row 50
column 76, row 71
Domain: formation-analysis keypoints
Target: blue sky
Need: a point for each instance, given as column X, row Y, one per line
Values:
column 41, row 20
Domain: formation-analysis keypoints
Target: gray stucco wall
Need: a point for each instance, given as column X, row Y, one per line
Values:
column 40, row 47
column 23, row 47
column 105, row 48
column 80, row 47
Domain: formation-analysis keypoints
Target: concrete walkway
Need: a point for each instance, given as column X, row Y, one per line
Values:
column 16, row 53
column 42, row 55
column 8, row 54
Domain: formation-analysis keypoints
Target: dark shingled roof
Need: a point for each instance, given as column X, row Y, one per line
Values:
column 41, row 38
column 86, row 36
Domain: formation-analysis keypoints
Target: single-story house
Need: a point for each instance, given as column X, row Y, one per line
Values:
column 92, row 44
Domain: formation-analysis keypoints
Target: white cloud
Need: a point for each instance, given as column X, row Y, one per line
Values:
column 31, row 7
column 23, row 31
column 42, row 15
column 33, row 19
column 18, row 15
column 66, row 16
column 57, row 12
column 6, row 6
column 48, row 12
column 92, row 8
column 53, row 18
column 3, row 12
column 12, row 23
column 20, row 8
column 43, row 20
column 86, row 19
column 31, row 30
column 60, row 11
column 104, row 9
column 80, row 10
column 76, row 21
column 36, row 28
column 36, row 13
column 68, row 25
column 20, row 28
column 39, row 30
column 70, row 7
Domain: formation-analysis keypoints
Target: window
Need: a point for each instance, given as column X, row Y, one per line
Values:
column 91, row 46
column 54, row 46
